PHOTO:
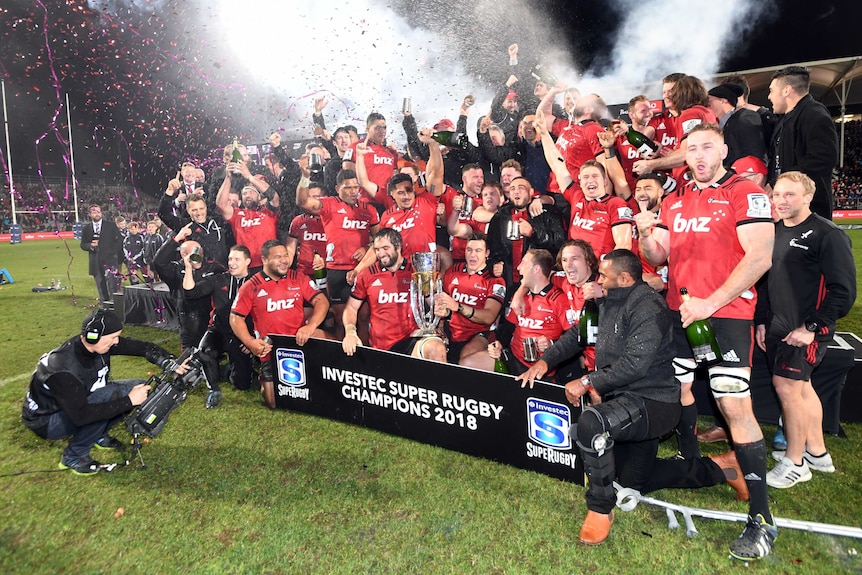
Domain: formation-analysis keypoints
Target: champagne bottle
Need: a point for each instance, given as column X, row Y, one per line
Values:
column 541, row 73
column 500, row 363
column 236, row 156
column 702, row 340
column 451, row 139
column 320, row 275
column 644, row 145
column 588, row 323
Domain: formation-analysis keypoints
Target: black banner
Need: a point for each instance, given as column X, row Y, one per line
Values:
column 475, row 412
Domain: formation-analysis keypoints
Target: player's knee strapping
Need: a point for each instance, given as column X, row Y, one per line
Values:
column 683, row 369
column 729, row 381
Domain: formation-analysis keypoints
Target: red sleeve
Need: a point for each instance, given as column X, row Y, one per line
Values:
column 243, row 302
column 308, row 287
column 360, row 289
column 497, row 291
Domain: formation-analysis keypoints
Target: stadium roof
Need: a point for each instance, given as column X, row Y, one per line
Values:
column 832, row 82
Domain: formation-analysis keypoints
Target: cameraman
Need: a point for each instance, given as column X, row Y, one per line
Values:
column 70, row 394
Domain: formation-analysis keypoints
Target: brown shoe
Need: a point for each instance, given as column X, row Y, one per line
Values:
column 713, row 435
column 732, row 473
column 596, row 527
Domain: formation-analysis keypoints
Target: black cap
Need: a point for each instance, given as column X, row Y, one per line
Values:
column 730, row 92
column 99, row 323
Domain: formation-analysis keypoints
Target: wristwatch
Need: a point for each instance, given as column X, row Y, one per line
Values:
column 585, row 381
column 812, row 326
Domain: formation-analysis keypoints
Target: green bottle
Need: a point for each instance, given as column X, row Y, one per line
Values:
column 588, row 323
column 451, row 139
column 644, row 145
column 702, row 340
column 500, row 363
column 236, row 157
column 320, row 275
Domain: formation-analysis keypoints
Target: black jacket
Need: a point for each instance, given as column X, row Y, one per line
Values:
column 66, row 375
column 805, row 139
column 107, row 253
column 548, row 234
column 743, row 134
column 634, row 351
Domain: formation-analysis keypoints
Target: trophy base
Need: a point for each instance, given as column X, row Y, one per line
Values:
column 428, row 333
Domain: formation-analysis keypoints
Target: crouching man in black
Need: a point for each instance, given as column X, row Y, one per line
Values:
column 70, row 394
column 635, row 399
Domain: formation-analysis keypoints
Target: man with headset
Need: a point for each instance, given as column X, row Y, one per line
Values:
column 70, row 394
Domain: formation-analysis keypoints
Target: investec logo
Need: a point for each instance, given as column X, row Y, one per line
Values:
column 548, row 423
column 290, row 365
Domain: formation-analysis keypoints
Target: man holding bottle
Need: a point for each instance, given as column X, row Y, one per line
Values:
column 618, row 435
column 716, row 234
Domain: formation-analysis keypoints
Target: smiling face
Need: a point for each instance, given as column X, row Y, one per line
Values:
column 574, row 264
column 792, row 202
column 276, row 264
column 592, row 182
column 476, row 255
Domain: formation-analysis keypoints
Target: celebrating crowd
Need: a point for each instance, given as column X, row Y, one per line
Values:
column 666, row 220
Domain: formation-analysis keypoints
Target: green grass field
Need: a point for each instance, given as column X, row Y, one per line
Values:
column 240, row 489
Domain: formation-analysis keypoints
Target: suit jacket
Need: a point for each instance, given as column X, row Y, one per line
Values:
column 805, row 139
column 548, row 234
column 109, row 248
column 743, row 134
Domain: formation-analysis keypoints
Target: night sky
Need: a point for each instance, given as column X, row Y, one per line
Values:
column 152, row 83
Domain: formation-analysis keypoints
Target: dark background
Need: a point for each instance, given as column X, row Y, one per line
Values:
column 151, row 85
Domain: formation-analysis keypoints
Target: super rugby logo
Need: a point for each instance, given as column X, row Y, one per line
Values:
column 548, row 423
column 290, row 364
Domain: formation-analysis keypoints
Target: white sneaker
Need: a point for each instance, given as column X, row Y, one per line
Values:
column 787, row 474
column 822, row 463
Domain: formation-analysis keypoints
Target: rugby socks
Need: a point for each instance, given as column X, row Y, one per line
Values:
column 686, row 432
column 752, row 460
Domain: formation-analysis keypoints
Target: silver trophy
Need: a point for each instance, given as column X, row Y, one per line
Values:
column 425, row 287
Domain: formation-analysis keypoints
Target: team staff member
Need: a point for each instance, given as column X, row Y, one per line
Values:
column 811, row 284
column 386, row 287
column 635, row 398
column 222, row 288
column 70, row 394
column 542, row 231
column 716, row 234
column 274, row 298
column 349, row 222
column 472, row 300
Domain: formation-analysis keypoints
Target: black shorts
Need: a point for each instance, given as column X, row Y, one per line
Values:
column 456, row 347
column 735, row 338
column 405, row 346
column 337, row 287
column 793, row 362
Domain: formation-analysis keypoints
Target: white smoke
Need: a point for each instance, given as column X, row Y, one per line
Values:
column 666, row 36
column 367, row 55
